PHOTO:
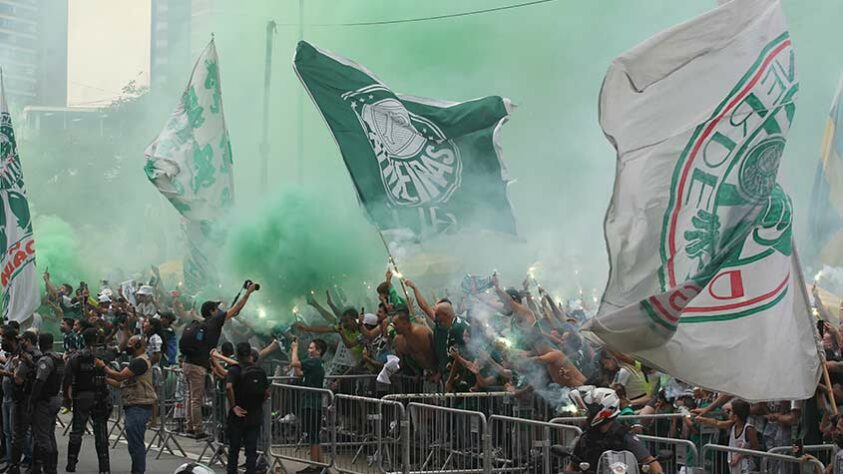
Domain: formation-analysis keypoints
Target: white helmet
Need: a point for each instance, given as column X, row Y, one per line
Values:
column 193, row 468
column 603, row 404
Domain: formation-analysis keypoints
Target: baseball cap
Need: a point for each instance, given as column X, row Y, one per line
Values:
column 370, row 319
column 209, row 308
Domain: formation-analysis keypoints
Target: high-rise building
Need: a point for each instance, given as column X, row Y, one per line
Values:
column 180, row 30
column 169, row 42
column 33, row 51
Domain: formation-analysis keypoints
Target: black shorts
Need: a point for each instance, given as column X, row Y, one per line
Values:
column 311, row 424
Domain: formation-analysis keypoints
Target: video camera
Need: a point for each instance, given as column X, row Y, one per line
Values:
column 106, row 353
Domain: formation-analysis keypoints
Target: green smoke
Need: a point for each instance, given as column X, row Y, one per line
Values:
column 302, row 240
column 57, row 248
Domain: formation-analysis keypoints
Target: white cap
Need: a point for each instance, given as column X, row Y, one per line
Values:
column 107, row 292
column 145, row 290
column 370, row 319
column 104, row 299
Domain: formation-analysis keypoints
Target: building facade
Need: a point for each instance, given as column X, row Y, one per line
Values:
column 33, row 51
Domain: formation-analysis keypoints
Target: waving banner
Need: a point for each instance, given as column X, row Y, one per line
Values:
column 190, row 163
column 425, row 165
column 704, row 282
column 19, row 276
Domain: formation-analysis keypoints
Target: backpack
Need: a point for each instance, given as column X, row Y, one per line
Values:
column 253, row 383
column 170, row 348
column 192, row 339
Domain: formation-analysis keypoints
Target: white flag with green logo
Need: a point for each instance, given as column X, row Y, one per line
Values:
column 190, row 160
column 704, row 281
column 19, row 276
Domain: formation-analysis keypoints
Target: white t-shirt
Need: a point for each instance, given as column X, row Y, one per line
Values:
column 154, row 344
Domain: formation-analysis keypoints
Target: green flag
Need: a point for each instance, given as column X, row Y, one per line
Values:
column 425, row 165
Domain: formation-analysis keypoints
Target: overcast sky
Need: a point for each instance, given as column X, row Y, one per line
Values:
column 108, row 46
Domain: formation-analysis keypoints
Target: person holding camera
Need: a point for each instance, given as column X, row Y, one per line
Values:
column 138, row 392
column 45, row 403
column 196, row 343
column 84, row 384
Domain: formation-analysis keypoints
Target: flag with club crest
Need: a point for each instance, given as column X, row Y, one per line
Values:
column 423, row 165
column 190, row 163
column 704, row 281
column 19, row 276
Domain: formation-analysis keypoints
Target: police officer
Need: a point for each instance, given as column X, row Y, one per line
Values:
column 85, row 384
column 45, row 403
column 21, row 411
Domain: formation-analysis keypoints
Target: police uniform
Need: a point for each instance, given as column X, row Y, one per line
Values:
column 91, row 400
column 21, row 409
column 46, row 403
column 593, row 443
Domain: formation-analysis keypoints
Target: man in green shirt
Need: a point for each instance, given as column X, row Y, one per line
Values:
column 312, row 372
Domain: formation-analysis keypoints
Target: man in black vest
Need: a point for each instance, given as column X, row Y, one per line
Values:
column 21, row 409
column 85, row 384
column 46, row 402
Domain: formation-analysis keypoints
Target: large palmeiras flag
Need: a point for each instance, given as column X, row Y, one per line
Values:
column 190, row 162
column 704, row 281
column 19, row 275
column 424, row 165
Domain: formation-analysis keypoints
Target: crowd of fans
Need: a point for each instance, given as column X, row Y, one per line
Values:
column 487, row 338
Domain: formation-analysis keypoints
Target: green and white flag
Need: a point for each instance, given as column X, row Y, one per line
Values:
column 704, row 281
column 190, row 160
column 19, row 276
column 425, row 165
column 191, row 165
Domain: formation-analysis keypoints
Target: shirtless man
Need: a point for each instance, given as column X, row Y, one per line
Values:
column 558, row 367
column 413, row 340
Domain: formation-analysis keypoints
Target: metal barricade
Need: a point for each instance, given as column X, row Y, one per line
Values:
column 524, row 446
column 363, row 385
column 369, row 435
column 163, row 435
column 660, row 425
column 301, row 419
column 823, row 452
column 756, row 461
column 496, row 403
column 673, row 454
column 447, row 440
column 214, row 403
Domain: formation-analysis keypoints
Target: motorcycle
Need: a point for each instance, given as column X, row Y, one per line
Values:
column 610, row 462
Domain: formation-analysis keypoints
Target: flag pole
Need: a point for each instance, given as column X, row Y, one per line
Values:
column 820, row 351
column 300, row 105
column 395, row 266
column 267, row 82
column 826, row 376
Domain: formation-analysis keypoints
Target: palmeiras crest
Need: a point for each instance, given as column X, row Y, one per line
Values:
column 418, row 164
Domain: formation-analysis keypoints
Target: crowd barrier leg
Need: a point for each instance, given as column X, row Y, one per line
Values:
column 303, row 415
column 447, row 440
column 163, row 435
column 520, row 445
